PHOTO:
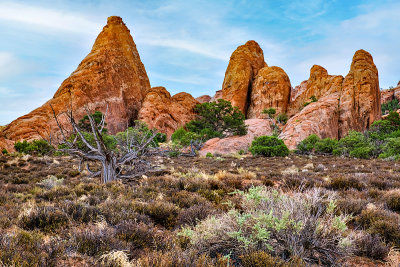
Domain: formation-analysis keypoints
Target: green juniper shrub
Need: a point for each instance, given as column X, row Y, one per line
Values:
column 391, row 149
column 307, row 145
column 326, row 145
column 84, row 123
column 241, row 152
column 270, row 112
column 209, row 155
column 161, row 137
column 21, row 146
column 138, row 132
column 184, row 137
column 355, row 144
column 312, row 100
column 4, row 151
column 269, row 146
column 282, row 118
column 36, row 147
column 217, row 119
column 364, row 152
column 392, row 105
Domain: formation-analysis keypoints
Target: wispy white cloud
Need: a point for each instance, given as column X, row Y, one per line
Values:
column 10, row 65
column 45, row 19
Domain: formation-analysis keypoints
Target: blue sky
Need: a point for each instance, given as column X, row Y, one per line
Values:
column 186, row 45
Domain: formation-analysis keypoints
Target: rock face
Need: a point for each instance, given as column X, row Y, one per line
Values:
column 343, row 104
column 232, row 144
column 298, row 90
column 318, row 85
column 390, row 94
column 320, row 118
column 271, row 89
column 203, row 99
column 166, row 113
column 243, row 67
column 218, row 95
column 111, row 74
column 360, row 103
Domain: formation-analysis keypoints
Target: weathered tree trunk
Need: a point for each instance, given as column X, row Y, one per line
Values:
column 108, row 171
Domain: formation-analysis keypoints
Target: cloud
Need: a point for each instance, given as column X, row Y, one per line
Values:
column 10, row 66
column 42, row 19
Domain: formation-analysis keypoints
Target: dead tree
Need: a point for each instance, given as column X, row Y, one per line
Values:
column 123, row 162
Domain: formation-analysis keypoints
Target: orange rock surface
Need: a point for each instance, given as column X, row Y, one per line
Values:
column 166, row 113
column 203, row 99
column 320, row 118
column 360, row 100
column 111, row 74
column 232, row 144
column 271, row 89
column 243, row 67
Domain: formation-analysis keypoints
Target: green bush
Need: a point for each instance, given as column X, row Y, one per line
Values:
column 4, row 151
column 392, row 105
column 326, row 145
column 217, row 119
column 364, row 152
column 209, row 155
column 312, row 100
column 36, row 147
column 307, row 145
column 84, row 123
column 269, row 146
column 391, row 149
column 355, row 144
column 282, row 118
column 183, row 137
column 270, row 112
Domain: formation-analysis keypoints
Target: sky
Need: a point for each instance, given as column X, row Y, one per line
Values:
column 186, row 45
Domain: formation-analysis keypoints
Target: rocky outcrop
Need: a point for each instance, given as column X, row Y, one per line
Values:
column 232, row 144
column 390, row 94
column 166, row 113
column 243, row 67
column 218, row 95
column 271, row 89
column 298, row 90
column 360, row 103
column 203, row 99
column 318, row 85
column 6, row 144
column 112, row 75
column 320, row 118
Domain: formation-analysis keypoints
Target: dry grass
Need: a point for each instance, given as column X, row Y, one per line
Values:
column 48, row 208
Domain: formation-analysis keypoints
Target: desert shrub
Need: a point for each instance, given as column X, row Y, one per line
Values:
column 80, row 212
column 355, row 144
column 163, row 213
column 326, row 145
column 138, row 235
column 115, row 258
column 381, row 222
column 44, row 218
column 95, row 240
column 307, row 145
column 270, row 112
column 345, row 183
column 209, row 155
column 312, row 100
column 392, row 200
column 371, row 246
column 217, row 119
column 278, row 223
column 139, row 132
column 194, row 214
column 36, row 147
column 263, row 259
column 84, row 123
column 4, row 151
column 392, row 105
column 269, row 146
column 391, row 149
column 184, row 137
column 51, row 182
column 348, row 205
column 282, row 118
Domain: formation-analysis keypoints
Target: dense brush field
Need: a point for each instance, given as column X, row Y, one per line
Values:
column 219, row 211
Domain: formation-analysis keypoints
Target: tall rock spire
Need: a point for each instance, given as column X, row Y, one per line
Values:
column 112, row 75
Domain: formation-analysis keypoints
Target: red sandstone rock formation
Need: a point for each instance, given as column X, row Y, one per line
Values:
column 360, row 103
column 271, row 89
column 243, row 67
column 390, row 94
column 218, row 95
column 320, row 118
column 112, row 74
column 318, row 85
column 166, row 113
column 298, row 90
column 232, row 144
column 203, row 99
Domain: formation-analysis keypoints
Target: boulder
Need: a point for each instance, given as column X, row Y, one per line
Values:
column 320, row 118
column 242, row 69
column 271, row 89
column 203, row 99
column 165, row 113
column 233, row 144
column 360, row 103
column 112, row 75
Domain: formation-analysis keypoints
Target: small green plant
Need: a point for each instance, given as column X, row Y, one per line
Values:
column 282, row 118
column 36, row 147
column 307, row 145
column 209, row 155
column 326, row 145
column 4, row 151
column 312, row 100
column 269, row 146
column 270, row 112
